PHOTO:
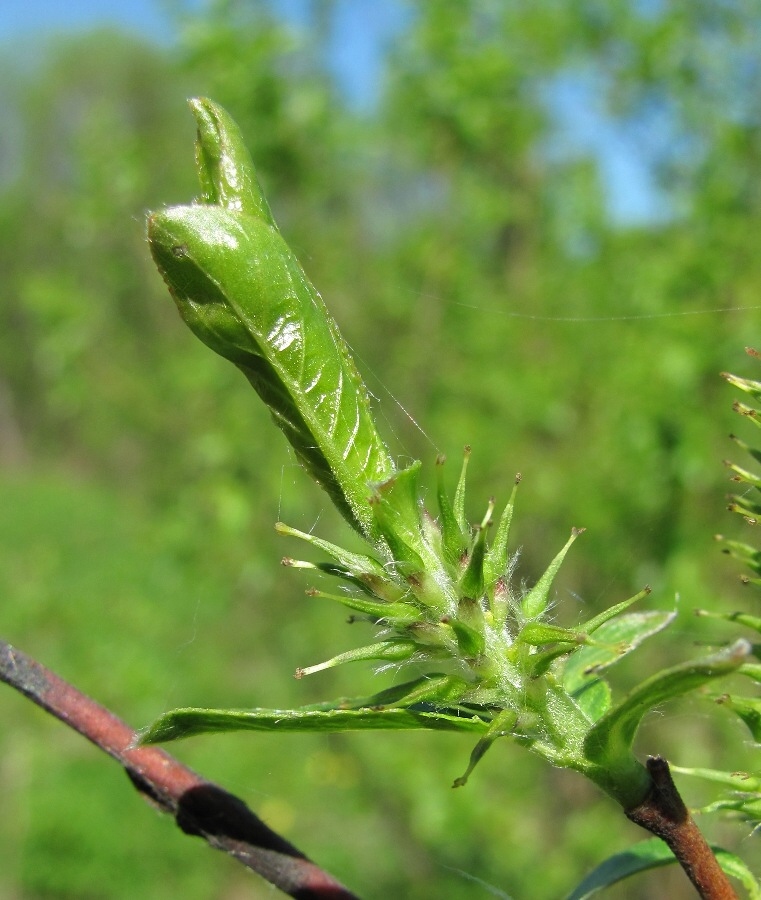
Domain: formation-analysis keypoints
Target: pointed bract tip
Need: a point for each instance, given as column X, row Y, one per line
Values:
column 518, row 477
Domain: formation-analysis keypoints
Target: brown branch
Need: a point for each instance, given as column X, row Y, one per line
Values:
column 664, row 814
column 198, row 806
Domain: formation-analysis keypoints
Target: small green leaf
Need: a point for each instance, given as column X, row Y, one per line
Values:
column 397, row 515
column 502, row 725
column 609, row 741
column 496, row 559
column 471, row 641
column 739, row 618
column 593, row 698
column 743, row 475
column 225, row 168
column 394, row 650
column 738, row 781
column 652, row 854
column 454, row 539
column 459, row 494
column 182, row 723
column 472, row 580
column 535, row 601
column 613, row 640
column 399, row 613
column 744, row 384
column 754, row 453
column 606, row 615
column 746, row 708
column 747, row 412
column 364, row 571
column 396, row 510
column 539, row 633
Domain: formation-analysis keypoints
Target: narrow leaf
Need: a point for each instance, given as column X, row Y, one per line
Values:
column 182, row 723
column 502, row 725
column 459, row 495
column 746, row 708
column 652, row 854
column 454, row 539
column 535, row 601
column 496, row 559
column 612, row 641
column 593, row 624
column 388, row 651
column 610, row 739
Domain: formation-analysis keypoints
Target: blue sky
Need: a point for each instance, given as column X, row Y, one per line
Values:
column 362, row 27
column 25, row 18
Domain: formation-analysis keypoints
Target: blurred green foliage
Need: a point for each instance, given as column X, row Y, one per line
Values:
column 489, row 297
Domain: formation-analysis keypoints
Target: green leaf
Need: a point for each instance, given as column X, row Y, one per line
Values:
column 397, row 513
column 747, row 709
column 361, row 570
column 497, row 558
column 652, row 854
column 182, row 723
column 244, row 294
column 593, row 698
column 535, row 602
column 399, row 613
column 739, row 618
column 539, row 633
column 606, row 615
column 744, row 384
column 738, row 781
column 393, row 650
column 609, row 741
column 225, row 168
column 472, row 579
column 396, row 510
column 613, row 640
column 453, row 538
column 502, row 725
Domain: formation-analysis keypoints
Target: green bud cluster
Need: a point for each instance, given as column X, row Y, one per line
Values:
column 441, row 594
